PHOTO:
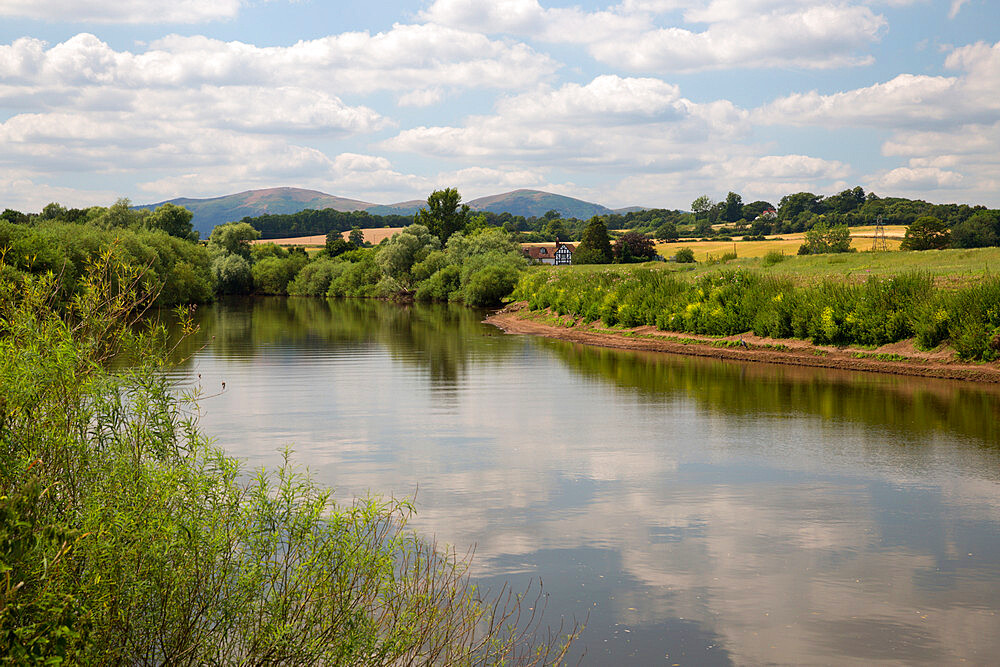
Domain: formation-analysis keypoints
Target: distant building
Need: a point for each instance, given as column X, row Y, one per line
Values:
column 560, row 255
column 767, row 214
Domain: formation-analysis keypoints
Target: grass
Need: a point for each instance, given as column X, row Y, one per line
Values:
column 866, row 299
column 950, row 268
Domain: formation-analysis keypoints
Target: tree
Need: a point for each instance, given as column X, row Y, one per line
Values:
column 232, row 274
column 926, row 233
column 233, row 238
column 556, row 229
column 822, row 239
column 595, row 246
column 356, row 237
column 979, row 231
column 733, row 210
column 12, row 216
column 443, row 215
column 701, row 206
column 174, row 220
column 336, row 245
column 756, row 208
column 792, row 205
column 634, row 247
column 397, row 256
column 52, row 211
column 667, row 232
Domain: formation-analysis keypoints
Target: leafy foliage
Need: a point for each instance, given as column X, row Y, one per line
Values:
column 837, row 312
column 633, row 247
column 126, row 537
column 443, row 216
column 595, row 246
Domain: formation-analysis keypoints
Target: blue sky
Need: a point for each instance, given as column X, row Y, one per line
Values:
column 636, row 102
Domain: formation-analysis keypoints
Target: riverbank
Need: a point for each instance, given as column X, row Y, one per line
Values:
column 901, row 358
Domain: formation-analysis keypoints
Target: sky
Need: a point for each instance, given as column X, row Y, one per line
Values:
column 637, row 103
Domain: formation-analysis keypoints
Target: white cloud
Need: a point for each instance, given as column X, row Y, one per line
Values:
column 956, row 6
column 528, row 17
column 222, row 114
column 906, row 100
column 118, row 11
column 22, row 192
column 819, row 37
column 921, row 179
column 945, row 125
column 363, row 176
column 406, row 58
column 739, row 33
column 611, row 120
column 421, row 98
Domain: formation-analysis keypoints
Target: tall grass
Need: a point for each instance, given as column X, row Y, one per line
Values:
column 127, row 537
column 831, row 311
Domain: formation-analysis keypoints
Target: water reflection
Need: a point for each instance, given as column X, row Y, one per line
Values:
column 700, row 511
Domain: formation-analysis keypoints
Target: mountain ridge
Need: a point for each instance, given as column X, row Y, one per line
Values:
column 212, row 211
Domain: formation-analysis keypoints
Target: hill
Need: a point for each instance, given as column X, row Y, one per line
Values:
column 217, row 210
column 536, row 203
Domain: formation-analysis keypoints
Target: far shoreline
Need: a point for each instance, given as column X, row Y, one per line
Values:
column 901, row 358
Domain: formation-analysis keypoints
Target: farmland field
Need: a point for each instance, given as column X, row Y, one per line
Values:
column 373, row 235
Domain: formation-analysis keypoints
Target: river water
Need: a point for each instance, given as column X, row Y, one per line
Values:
column 693, row 511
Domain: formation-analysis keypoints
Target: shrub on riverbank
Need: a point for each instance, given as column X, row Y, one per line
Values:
column 836, row 312
column 126, row 537
column 179, row 267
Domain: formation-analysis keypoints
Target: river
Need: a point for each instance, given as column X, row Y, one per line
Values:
column 693, row 511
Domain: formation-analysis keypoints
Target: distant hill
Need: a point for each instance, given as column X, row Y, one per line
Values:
column 217, row 210
column 537, row 203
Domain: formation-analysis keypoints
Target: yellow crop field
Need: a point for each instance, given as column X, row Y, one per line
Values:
column 373, row 235
column 788, row 244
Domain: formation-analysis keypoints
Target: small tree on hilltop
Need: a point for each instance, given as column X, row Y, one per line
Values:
column 926, row 233
column 595, row 246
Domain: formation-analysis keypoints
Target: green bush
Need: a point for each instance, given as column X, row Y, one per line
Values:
column 126, row 537
column 271, row 275
column 231, row 274
column 773, row 257
column 315, row 277
column 832, row 312
column 684, row 256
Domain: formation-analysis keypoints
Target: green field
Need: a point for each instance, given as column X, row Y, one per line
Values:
column 947, row 266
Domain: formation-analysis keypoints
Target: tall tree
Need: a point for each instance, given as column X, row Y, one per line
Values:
column 357, row 237
column 233, row 238
column 734, row 208
column 595, row 246
column 701, row 206
column 443, row 216
column 174, row 220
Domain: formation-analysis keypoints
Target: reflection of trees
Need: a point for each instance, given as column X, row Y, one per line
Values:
column 441, row 338
column 913, row 405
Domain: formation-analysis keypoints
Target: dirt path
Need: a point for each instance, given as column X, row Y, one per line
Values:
column 898, row 358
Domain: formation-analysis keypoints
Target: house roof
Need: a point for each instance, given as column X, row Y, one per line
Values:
column 546, row 251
